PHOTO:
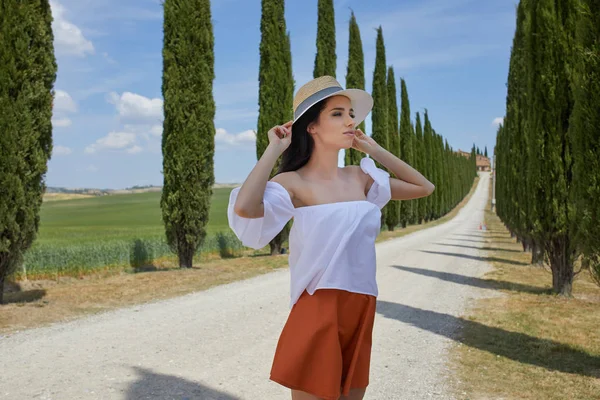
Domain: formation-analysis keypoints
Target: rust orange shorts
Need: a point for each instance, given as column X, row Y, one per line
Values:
column 325, row 346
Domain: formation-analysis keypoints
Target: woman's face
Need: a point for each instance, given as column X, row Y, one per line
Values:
column 335, row 125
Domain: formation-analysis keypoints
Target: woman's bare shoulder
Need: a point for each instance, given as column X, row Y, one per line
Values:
column 289, row 180
column 357, row 173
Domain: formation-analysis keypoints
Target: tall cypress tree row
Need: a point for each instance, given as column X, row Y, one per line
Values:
column 534, row 164
column 355, row 79
column 188, row 141
column 325, row 60
column 421, row 163
column 27, row 76
column 406, row 147
column 379, row 115
column 585, row 134
column 276, row 85
column 392, row 217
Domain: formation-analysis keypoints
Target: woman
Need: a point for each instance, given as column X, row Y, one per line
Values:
column 324, row 349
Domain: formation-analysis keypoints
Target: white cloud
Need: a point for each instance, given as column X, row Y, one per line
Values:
column 133, row 106
column 63, row 102
column 497, row 121
column 68, row 38
column 92, row 168
column 145, row 131
column 61, row 122
column 61, row 151
column 112, row 141
column 241, row 139
column 134, row 150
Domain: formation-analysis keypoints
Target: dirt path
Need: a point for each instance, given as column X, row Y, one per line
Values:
column 218, row 344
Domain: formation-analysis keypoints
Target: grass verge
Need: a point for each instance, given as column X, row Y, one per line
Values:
column 528, row 343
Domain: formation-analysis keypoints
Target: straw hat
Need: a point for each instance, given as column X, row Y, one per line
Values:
column 326, row 86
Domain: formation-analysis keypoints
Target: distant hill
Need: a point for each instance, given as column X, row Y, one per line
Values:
column 129, row 190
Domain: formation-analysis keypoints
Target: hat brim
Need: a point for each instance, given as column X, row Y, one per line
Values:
column 362, row 103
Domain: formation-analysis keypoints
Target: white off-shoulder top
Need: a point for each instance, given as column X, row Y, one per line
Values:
column 332, row 245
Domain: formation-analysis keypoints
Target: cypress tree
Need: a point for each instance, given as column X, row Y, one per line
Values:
column 585, row 134
column 437, row 174
column 325, row 60
column 27, row 76
column 443, row 176
column 355, row 79
column 406, row 147
column 392, row 217
column 414, row 203
column 474, row 159
column 421, row 163
column 276, row 85
column 379, row 115
column 515, row 193
column 485, row 152
column 188, row 141
column 429, row 165
column 449, row 177
column 551, row 168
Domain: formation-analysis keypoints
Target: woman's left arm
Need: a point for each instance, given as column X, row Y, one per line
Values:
column 410, row 183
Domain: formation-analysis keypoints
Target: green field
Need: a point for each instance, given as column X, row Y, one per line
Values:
column 116, row 217
column 82, row 235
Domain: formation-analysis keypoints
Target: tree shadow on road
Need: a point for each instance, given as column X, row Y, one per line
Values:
column 480, row 248
column 152, row 385
column 486, row 259
column 476, row 282
column 520, row 347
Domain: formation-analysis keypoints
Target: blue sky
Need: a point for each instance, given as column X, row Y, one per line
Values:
column 107, row 119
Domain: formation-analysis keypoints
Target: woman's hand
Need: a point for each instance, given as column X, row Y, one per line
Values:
column 281, row 136
column 363, row 142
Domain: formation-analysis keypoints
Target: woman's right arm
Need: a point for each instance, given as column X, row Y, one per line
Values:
column 249, row 202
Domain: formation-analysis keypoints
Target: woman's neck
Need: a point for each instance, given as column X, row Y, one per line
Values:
column 323, row 165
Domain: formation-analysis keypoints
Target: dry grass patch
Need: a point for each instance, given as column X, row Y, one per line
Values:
column 65, row 196
column 528, row 343
column 42, row 302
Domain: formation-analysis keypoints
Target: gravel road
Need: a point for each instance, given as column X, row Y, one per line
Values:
column 219, row 343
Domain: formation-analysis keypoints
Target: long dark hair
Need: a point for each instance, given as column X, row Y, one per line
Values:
column 299, row 151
